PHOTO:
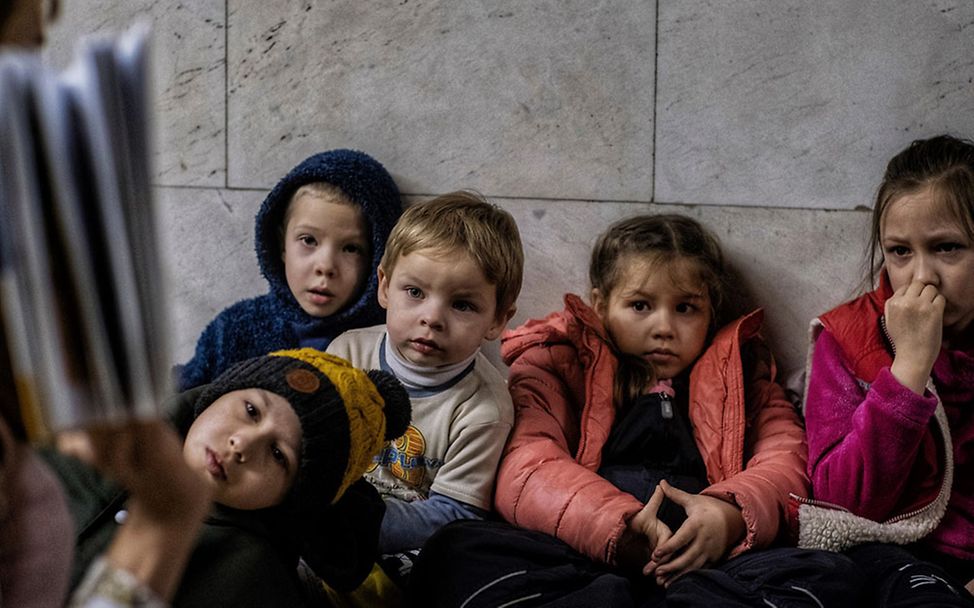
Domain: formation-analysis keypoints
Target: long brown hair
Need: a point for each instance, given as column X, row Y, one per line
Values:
column 660, row 239
column 944, row 163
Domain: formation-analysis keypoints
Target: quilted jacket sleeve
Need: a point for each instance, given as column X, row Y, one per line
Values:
column 540, row 486
column 774, row 454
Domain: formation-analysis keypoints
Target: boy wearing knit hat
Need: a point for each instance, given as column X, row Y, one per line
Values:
column 282, row 440
column 449, row 280
column 319, row 235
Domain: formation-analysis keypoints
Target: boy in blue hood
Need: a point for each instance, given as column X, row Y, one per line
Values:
column 319, row 235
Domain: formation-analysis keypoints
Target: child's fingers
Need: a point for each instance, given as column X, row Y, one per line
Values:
column 675, row 494
column 914, row 288
column 680, row 539
column 915, row 315
column 921, row 290
column 664, row 534
column 928, row 293
column 665, row 579
column 693, row 558
column 646, row 520
column 652, row 507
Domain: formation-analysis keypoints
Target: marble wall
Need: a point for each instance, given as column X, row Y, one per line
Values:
column 769, row 121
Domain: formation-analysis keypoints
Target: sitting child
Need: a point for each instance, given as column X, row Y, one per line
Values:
column 319, row 235
column 449, row 280
column 890, row 404
column 280, row 440
column 652, row 454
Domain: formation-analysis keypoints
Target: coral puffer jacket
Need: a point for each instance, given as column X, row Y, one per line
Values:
column 561, row 381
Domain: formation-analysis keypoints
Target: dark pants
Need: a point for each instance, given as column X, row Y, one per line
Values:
column 480, row 564
column 782, row 578
column 899, row 579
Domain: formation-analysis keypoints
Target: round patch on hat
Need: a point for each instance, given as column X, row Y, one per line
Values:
column 303, row 381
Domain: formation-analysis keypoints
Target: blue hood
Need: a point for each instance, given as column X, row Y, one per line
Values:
column 366, row 183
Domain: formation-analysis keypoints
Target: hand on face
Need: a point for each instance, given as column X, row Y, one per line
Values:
column 712, row 527
column 914, row 321
column 927, row 253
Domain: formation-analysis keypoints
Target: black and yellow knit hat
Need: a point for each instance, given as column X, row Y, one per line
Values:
column 346, row 415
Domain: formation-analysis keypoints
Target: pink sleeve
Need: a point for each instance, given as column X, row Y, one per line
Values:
column 862, row 440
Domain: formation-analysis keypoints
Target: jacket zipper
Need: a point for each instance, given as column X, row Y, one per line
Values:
column 665, row 406
column 912, row 513
column 889, row 340
column 817, row 503
column 829, row 505
column 926, row 507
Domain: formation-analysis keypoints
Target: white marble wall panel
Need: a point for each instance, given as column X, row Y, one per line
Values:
column 796, row 263
column 547, row 99
column 188, row 63
column 767, row 114
column 801, row 104
column 207, row 243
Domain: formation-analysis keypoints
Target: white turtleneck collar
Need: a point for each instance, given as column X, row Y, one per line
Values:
column 415, row 376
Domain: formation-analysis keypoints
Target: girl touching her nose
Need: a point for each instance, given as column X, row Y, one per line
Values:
column 889, row 410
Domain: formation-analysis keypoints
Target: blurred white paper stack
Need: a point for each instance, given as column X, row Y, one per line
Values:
column 81, row 287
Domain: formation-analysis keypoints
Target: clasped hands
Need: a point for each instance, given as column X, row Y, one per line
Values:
column 711, row 528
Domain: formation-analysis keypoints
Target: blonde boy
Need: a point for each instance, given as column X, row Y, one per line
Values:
column 449, row 279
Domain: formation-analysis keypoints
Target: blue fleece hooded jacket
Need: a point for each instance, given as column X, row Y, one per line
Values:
column 256, row 326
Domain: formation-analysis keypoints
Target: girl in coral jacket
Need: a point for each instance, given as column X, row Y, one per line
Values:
column 890, row 402
column 652, row 450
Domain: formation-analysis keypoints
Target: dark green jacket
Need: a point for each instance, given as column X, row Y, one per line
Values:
column 242, row 558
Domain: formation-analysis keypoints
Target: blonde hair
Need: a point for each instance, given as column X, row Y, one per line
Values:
column 322, row 190
column 463, row 220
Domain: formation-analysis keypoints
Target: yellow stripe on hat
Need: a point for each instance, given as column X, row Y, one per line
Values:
column 363, row 405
